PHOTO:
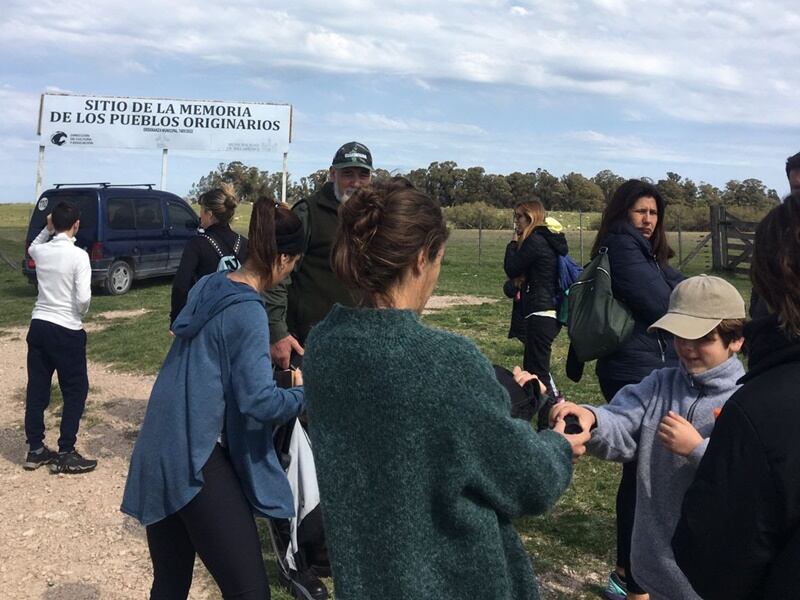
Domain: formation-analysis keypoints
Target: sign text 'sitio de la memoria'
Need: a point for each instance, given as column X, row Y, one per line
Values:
column 146, row 123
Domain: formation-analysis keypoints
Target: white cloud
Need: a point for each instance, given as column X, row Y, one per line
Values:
column 711, row 59
column 20, row 110
column 380, row 122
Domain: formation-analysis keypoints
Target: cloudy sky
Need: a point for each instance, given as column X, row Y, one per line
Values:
column 702, row 88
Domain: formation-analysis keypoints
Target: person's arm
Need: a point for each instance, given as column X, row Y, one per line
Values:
column 254, row 389
column 679, row 436
column 508, row 465
column 276, row 303
column 636, row 280
column 618, row 424
column 184, row 278
column 42, row 238
column 518, row 260
column 729, row 527
column 83, row 283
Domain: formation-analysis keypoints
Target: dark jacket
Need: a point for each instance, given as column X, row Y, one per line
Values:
column 297, row 305
column 537, row 260
column 517, row 327
column 199, row 258
column 739, row 531
column 644, row 287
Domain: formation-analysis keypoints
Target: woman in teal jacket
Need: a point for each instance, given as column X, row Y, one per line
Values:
column 204, row 460
column 421, row 467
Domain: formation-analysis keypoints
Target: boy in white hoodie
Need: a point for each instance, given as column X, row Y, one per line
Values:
column 664, row 423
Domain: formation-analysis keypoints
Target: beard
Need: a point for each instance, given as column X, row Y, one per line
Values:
column 344, row 195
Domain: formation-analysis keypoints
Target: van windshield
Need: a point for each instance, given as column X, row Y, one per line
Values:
column 86, row 203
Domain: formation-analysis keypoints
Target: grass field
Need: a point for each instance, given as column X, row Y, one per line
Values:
column 572, row 547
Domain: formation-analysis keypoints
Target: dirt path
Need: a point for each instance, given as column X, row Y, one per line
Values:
column 62, row 536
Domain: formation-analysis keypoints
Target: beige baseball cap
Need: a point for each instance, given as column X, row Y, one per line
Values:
column 698, row 304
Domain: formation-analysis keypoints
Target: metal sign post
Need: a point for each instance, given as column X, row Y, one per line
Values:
column 163, row 170
column 283, row 181
column 39, row 173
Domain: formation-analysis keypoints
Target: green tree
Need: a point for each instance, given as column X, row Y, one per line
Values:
column 523, row 186
column 550, row 190
column 608, row 182
column 582, row 194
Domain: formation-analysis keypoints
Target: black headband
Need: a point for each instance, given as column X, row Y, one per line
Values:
column 291, row 243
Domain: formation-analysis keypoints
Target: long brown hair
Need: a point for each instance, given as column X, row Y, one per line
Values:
column 775, row 266
column 617, row 212
column 382, row 229
column 534, row 210
column 267, row 220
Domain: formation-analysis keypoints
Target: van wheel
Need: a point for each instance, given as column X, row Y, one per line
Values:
column 120, row 278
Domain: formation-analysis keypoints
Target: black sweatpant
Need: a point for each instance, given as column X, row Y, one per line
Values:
column 539, row 335
column 218, row 525
column 626, row 500
column 51, row 348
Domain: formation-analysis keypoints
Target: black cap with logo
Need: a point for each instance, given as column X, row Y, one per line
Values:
column 352, row 154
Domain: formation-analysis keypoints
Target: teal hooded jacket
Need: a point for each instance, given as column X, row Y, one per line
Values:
column 217, row 377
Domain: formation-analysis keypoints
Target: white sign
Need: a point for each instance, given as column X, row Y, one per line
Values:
column 69, row 121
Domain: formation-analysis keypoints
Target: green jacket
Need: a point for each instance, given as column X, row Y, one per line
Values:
column 299, row 302
column 421, row 468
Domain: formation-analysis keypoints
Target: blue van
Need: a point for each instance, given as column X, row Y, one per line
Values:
column 129, row 232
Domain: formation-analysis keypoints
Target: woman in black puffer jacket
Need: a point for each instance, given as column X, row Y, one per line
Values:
column 633, row 231
column 532, row 262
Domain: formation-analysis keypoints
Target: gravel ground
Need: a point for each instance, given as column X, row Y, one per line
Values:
column 63, row 536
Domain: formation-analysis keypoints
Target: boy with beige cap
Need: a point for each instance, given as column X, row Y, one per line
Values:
column 664, row 423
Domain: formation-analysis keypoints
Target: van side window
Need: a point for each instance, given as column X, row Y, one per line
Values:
column 180, row 217
column 120, row 213
column 148, row 214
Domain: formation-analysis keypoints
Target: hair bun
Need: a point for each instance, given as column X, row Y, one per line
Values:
column 363, row 214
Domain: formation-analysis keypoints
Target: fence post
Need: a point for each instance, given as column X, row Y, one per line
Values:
column 716, row 246
column 480, row 234
column 580, row 232
column 680, row 240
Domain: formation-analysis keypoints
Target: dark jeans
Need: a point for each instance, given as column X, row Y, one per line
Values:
column 539, row 335
column 626, row 499
column 55, row 348
column 218, row 525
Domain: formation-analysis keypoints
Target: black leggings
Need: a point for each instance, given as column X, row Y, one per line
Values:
column 218, row 525
column 539, row 335
column 626, row 500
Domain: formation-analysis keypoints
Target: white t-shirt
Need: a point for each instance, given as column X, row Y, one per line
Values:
column 64, row 277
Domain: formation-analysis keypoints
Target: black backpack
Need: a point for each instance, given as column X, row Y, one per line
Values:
column 598, row 323
column 227, row 262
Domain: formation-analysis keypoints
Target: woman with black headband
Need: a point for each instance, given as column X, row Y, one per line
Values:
column 204, row 461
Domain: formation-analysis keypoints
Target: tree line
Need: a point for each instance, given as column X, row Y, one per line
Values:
column 452, row 186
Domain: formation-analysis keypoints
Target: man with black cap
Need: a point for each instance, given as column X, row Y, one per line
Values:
column 314, row 289
column 793, row 173
column 294, row 306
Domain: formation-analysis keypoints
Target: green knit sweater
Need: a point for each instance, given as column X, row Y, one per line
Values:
column 421, row 467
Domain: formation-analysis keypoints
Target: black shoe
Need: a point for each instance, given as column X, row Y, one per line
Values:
column 72, row 462
column 303, row 585
column 44, row 456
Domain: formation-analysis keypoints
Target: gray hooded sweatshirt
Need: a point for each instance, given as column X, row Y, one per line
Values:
column 627, row 429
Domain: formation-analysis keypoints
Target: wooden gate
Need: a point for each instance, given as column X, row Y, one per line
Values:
column 731, row 241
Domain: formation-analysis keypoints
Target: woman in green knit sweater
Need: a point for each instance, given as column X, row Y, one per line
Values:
column 421, row 467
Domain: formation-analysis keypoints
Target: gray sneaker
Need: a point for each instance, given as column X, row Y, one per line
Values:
column 43, row 456
column 72, row 462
